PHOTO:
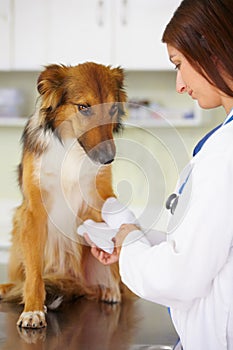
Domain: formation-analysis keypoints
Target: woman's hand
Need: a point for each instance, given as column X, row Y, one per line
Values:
column 104, row 257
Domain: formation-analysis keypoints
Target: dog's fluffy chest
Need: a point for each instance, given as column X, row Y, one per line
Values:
column 63, row 166
column 67, row 177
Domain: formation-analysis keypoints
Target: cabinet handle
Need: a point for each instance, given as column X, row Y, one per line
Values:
column 100, row 13
column 124, row 8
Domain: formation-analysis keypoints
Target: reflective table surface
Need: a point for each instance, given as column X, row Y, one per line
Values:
column 89, row 325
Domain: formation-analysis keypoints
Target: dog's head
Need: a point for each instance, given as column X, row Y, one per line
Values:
column 84, row 102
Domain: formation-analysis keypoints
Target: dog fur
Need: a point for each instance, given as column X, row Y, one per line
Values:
column 65, row 177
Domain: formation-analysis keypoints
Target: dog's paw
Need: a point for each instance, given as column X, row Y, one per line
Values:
column 32, row 319
column 110, row 296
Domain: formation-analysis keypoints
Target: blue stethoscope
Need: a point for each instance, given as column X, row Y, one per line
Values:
column 173, row 199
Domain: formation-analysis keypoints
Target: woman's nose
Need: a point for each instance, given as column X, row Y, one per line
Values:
column 180, row 85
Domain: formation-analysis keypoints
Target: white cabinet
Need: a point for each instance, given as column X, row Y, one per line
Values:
column 139, row 28
column 116, row 32
column 30, row 32
column 80, row 31
column 5, row 34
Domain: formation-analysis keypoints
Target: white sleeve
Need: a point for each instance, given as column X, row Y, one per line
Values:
column 184, row 267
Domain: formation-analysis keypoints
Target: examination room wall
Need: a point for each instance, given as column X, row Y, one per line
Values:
column 149, row 158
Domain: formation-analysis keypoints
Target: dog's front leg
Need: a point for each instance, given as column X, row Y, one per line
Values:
column 33, row 236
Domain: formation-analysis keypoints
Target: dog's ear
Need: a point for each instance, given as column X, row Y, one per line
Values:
column 50, row 86
column 118, row 74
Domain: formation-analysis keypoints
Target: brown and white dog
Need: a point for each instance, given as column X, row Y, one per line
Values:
column 65, row 177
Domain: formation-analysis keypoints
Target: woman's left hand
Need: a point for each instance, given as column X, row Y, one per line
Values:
column 104, row 257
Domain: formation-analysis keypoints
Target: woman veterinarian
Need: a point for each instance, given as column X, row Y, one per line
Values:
column 192, row 271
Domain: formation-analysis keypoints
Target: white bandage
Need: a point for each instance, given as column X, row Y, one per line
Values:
column 101, row 233
column 115, row 213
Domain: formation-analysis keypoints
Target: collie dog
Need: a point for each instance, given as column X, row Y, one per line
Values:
column 65, row 177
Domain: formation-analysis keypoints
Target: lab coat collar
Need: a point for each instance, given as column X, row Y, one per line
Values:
column 228, row 118
column 198, row 147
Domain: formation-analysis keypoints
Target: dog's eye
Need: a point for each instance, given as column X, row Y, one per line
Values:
column 85, row 109
column 113, row 109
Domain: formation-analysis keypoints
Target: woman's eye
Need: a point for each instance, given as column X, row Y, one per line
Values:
column 85, row 109
column 113, row 109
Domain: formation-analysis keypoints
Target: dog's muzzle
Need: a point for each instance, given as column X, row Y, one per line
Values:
column 103, row 153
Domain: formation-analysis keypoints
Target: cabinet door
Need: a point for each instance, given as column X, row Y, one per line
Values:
column 30, row 34
column 5, row 34
column 139, row 28
column 80, row 31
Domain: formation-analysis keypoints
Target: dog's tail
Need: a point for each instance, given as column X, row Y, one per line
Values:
column 58, row 289
column 62, row 288
column 12, row 292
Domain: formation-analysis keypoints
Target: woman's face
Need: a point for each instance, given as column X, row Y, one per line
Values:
column 190, row 81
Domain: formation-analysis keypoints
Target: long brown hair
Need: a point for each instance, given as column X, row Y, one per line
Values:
column 202, row 30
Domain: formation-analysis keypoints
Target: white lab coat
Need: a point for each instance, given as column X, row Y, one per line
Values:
column 192, row 271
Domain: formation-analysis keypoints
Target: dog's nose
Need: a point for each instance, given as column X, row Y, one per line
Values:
column 100, row 157
column 109, row 161
column 105, row 157
column 104, row 153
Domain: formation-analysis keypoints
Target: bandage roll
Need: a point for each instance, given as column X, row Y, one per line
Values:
column 115, row 214
column 99, row 233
